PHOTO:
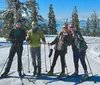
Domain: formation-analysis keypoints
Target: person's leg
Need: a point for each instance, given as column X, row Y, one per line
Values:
column 62, row 57
column 33, row 55
column 75, row 59
column 56, row 54
column 19, row 53
column 10, row 59
column 82, row 59
column 38, row 54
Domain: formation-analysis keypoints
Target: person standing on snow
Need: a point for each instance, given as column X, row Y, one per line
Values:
column 78, row 51
column 16, row 36
column 33, row 38
column 61, row 42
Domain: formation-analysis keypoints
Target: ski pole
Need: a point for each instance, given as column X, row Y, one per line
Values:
column 45, row 59
column 28, row 58
column 90, row 67
column 4, row 65
column 49, row 52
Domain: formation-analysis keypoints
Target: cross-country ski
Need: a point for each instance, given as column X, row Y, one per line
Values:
column 50, row 42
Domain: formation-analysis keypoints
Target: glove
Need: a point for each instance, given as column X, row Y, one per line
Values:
column 17, row 43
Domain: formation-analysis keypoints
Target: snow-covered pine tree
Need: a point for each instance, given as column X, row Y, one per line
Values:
column 66, row 22
column 95, row 23
column 88, row 27
column 75, row 20
column 11, row 15
column 33, row 8
column 52, row 21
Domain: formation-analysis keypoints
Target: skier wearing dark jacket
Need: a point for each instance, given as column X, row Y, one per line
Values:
column 79, row 51
column 61, row 43
column 16, row 36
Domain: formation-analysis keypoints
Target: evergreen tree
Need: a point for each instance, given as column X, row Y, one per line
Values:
column 87, row 27
column 33, row 15
column 13, row 13
column 52, row 21
column 66, row 22
column 33, row 8
column 98, row 27
column 75, row 20
column 94, row 20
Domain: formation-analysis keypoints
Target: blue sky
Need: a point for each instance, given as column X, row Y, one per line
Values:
column 63, row 8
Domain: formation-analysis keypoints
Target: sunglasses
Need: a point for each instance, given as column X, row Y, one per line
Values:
column 72, row 27
column 18, row 23
column 34, row 24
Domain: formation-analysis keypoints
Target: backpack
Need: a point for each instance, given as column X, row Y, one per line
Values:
column 83, row 46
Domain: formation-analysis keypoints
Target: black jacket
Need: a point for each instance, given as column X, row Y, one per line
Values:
column 78, row 42
column 19, row 39
column 66, row 39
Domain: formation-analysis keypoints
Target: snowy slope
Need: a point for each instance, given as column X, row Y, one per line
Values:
column 93, row 53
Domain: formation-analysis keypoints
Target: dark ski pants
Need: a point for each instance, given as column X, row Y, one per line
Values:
column 62, row 57
column 36, row 58
column 79, row 55
column 14, row 49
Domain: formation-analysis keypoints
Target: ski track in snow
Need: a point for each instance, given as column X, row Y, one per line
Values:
column 93, row 53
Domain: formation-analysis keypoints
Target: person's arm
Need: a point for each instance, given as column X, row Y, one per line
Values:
column 24, row 35
column 11, row 37
column 54, row 41
column 28, row 37
column 79, row 36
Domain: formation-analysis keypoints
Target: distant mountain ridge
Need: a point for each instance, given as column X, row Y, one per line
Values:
column 59, row 23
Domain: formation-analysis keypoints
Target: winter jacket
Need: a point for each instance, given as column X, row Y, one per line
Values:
column 34, row 38
column 64, row 39
column 78, row 42
column 17, row 36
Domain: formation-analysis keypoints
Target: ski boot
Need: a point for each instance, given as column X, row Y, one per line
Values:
column 74, row 74
column 20, row 74
column 4, row 74
column 50, row 73
column 85, row 73
column 62, row 74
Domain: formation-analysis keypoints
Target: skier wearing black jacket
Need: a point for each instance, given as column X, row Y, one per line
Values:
column 79, row 50
column 16, row 36
column 61, row 43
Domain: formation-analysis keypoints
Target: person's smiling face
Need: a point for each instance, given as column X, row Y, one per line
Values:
column 34, row 25
column 18, row 24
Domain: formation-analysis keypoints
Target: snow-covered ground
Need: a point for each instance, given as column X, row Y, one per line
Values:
column 93, row 55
